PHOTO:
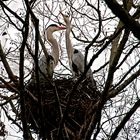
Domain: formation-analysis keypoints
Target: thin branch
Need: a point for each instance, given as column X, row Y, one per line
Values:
column 125, row 119
column 10, row 20
column 13, row 13
column 103, row 66
column 6, row 65
column 10, row 118
column 128, row 72
column 8, row 99
column 9, row 86
column 97, row 35
column 123, row 85
column 125, row 17
column 127, row 55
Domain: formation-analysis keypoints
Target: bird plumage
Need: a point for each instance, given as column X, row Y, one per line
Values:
column 76, row 58
column 47, row 65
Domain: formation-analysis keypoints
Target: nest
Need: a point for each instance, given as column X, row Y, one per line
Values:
column 53, row 98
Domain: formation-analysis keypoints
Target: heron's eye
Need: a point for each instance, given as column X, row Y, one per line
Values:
column 75, row 51
column 4, row 33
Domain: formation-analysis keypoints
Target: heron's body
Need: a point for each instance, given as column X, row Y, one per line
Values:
column 77, row 66
column 43, row 72
column 76, row 58
column 47, row 65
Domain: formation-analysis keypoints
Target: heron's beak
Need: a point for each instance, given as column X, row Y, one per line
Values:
column 62, row 27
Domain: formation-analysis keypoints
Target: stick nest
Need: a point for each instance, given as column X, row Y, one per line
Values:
column 52, row 102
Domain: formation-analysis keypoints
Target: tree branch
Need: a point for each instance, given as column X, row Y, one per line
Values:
column 124, row 84
column 125, row 119
column 125, row 17
column 6, row 65
column 25, row 32
column 13, row 13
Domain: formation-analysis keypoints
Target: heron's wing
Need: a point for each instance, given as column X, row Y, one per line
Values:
column 75, row 68
column 78, row 60
column 42, row 64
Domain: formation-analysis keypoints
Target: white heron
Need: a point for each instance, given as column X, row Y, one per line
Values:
column 75, row 57
column 53, row 58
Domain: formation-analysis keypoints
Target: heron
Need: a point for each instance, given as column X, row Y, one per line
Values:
column 75, row 57
column 53, row 58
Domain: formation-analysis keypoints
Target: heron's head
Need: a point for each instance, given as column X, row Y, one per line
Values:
column 53, row 27
column 66, row 18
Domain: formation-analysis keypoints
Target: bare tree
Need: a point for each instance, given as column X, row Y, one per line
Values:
column 107, row 33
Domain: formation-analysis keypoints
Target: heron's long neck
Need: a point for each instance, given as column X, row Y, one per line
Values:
column 55, row 48
column 68, row 41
